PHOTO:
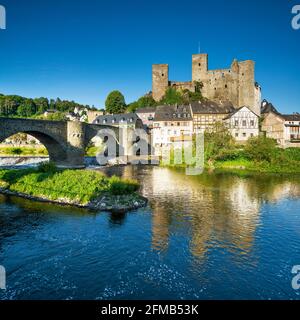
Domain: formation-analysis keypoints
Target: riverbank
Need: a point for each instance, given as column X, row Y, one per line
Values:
column 81, row 188
column 259, row 154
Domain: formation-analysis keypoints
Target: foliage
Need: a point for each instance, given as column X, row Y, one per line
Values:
column 119, row 187
column 260, row 148
column 16, row 151
column 25, row 151
column 145, row 101
column 47, row 167
column 79, row 186
column 217, row 140
column 173, row 96
column 17, row 106
column 115, row 103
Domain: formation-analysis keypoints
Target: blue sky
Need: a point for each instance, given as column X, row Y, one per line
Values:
column 81, row 50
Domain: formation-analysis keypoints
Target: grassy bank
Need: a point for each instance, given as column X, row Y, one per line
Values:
column 259, row 154
column 39, row 150
column 74, row 186
column 23, row 151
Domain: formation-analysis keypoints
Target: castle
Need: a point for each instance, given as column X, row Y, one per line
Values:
column 236, row 84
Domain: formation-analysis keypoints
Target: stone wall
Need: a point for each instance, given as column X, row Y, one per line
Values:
column 236, row 84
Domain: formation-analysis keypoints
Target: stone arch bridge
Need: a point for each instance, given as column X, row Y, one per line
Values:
column 65, row 141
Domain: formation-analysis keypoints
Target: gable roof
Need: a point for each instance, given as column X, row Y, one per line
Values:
column 291, row 117
column 267, row 107
column 237, row 110
column 173, row 113
column 116, row 118
column 211, row 107
column 146, row 110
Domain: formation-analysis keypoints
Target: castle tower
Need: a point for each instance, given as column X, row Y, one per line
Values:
column 160, row 80
column 199, row 66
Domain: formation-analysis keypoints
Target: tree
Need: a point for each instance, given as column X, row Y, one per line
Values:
column 261, row 148
column 172, row 96
column 115, row 103
column 145, row 101
column 27, row 109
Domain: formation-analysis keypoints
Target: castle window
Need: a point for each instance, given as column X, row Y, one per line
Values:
column 215, row 88
column 162, row 74
column 199, row 64
column 226, row 86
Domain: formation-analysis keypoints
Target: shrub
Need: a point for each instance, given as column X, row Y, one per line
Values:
column 16, row 151
column 47, row 167
column 261, row 148
column 120, row 187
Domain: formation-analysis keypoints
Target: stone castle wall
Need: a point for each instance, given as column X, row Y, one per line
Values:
column 236, row 84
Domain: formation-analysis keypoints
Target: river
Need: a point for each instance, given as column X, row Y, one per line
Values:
column 214, row 236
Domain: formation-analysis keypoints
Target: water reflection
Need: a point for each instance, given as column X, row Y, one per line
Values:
column 214, row 210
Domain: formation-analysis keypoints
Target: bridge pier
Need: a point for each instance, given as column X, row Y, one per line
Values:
column 75, row 145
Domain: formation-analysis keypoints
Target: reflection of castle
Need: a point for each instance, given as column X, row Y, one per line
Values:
column 214, row 210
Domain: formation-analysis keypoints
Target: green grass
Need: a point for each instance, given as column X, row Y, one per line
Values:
column 23, row 151
column 77, row 186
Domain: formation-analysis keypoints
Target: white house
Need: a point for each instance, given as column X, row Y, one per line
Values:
column 170, row 124
column 243, row 124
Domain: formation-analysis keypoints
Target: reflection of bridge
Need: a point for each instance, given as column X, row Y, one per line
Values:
column 65, row 141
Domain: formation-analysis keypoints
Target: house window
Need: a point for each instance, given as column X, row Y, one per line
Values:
column 236, row 123
column 166, row 124
column 236, row 134
column 244, row 135
column 244, row 123
column 252, row 123
column 251, row 135
column 178, row 124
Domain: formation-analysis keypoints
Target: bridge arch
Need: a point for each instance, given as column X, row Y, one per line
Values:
column 50, row 134
column 57, row 152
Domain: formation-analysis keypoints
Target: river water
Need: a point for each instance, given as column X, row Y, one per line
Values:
column 214, row 236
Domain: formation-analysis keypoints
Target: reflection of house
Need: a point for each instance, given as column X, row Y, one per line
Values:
column 146, row 115
column 285, row 128
column 170, row 122
column 243, row 124
column 128, row 120
column 207, row 113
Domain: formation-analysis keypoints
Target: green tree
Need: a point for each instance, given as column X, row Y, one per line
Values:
column 216, row 140
column 173, row 96
column 145, row 101
column 27, row 108
column 260, row 148
column 115, row 103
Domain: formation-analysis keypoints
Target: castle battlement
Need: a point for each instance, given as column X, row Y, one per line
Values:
column 235, row 84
